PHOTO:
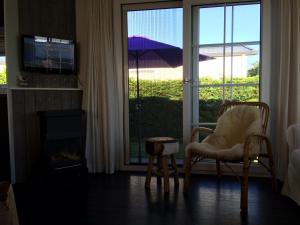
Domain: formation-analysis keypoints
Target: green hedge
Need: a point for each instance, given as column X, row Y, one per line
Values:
column 3, row 77
column 173, row 89
column 163, row 117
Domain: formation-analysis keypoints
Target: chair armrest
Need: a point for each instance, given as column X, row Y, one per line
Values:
column 200, row 130
column 261, row 138
column 292, row 136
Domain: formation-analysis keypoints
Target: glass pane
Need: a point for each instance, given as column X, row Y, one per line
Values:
column 155, row 77
column 217, row 67
column 253, row 61
column 211, row 25
column 210, row 99
column 211, row 70
column 242, row 65
column 246, row 23
column 243, row 93
column 241, row 62
column 2, row 70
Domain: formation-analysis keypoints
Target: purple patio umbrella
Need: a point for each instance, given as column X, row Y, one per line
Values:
column 147, row 53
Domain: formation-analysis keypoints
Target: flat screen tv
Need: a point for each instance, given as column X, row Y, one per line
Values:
column 48, row 55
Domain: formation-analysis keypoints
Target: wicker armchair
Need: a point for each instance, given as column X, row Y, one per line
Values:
column 243, row 151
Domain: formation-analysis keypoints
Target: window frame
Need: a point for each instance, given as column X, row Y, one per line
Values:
column 196, row 84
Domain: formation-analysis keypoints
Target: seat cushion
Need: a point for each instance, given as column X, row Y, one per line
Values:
column 227, row 141
column 209, row 151
column 292, row 134
column 295, row 158
column 170, row 148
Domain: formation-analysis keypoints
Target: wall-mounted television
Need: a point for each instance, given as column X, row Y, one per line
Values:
column 48, row 55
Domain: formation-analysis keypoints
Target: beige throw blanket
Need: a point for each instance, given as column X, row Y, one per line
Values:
column 227, row 141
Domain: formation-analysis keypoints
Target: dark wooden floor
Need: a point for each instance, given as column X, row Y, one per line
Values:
column 121, row 199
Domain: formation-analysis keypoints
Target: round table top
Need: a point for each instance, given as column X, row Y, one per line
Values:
column 162, row 139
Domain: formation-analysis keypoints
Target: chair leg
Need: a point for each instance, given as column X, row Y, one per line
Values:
column 218, row 164
column 271, row 166
column 166, row 174
column 274, row 182
column 187, row 168
column 149, row 171
column 159, row 169
column 176, row 180
column 244, row 188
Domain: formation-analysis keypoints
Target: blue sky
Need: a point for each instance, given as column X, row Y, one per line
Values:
column 165, row 25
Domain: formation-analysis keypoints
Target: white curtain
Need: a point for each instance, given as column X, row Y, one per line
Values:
column 285, row 108
column 100, row 84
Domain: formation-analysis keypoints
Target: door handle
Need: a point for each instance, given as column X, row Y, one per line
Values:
column 138, row 106
column 186, row 81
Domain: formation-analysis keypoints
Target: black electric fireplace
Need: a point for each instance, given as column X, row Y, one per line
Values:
column 62, row 136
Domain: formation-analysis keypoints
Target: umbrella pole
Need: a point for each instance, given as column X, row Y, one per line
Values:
column 138, row 108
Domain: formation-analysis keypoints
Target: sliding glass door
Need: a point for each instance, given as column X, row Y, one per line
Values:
column 162, row 100
column 154, row 75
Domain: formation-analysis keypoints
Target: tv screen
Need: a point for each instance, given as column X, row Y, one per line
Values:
column 48, row 55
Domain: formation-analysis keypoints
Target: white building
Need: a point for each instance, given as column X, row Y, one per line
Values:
column 210, row 68
column 238, row 66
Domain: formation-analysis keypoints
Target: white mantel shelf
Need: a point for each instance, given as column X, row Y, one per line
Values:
column 44, row 89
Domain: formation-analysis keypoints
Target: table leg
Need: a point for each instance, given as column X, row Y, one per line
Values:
column 166, row 174
column 159, row 169
column 149, row 171
column 176, row 180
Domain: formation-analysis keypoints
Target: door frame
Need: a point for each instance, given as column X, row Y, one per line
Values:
column 124, row 9
column 206, row 168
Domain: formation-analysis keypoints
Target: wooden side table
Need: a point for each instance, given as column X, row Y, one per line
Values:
column 161, row 148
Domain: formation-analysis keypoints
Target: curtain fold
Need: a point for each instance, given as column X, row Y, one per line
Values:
column 101, row 95
column 285, row 105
